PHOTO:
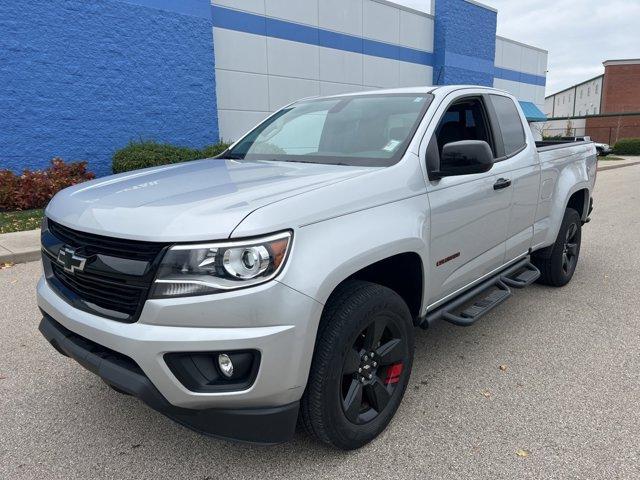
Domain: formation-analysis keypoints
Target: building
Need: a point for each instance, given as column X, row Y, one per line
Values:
column 606, row 107
column 81, row 78
column 576, row 101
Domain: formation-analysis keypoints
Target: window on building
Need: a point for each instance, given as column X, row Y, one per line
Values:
column 588, row 91
column 558, row 101
column 596, row 90
column 581, row 92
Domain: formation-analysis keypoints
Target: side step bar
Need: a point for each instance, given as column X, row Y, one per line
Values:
column 470, row 306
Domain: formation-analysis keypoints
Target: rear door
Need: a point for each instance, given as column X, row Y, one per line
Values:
column 517, row 172
column 468, row 216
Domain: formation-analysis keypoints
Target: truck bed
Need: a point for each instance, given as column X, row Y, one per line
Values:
column 545, row 145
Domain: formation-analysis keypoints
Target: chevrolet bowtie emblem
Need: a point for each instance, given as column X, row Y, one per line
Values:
column 70, row 261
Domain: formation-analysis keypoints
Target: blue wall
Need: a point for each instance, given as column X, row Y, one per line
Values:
column 464, row 43
column 81, row 78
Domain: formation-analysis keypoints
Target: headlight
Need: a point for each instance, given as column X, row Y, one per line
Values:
column 216, row 267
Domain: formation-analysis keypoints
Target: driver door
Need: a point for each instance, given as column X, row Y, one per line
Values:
column 469, row 215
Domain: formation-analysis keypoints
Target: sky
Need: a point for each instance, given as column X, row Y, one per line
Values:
column 578, row 34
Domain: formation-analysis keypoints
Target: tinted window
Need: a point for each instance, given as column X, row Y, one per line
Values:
column 464, row 120
column 372, row 130
column 510, row 123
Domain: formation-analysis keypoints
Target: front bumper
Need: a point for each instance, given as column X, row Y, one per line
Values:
column 277, row 321
column 263, row 425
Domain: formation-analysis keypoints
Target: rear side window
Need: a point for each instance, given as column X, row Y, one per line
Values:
column 510, row 124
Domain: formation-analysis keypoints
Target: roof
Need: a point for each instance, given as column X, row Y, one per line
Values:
column 574, row 86
column 622, row 61
column 532, row 112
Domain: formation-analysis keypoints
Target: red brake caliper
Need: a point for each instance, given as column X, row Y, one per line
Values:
column 393, row 373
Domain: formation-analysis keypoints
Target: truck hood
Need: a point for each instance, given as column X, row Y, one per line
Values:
column 194, row 201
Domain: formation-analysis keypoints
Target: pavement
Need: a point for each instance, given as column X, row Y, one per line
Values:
column 565, row 403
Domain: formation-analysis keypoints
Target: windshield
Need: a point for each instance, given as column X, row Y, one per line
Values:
column 361, row 130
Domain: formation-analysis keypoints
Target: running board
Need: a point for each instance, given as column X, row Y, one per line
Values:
column 469, row 307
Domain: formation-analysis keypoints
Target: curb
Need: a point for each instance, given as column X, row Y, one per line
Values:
column 21, row 257
column 20, row 247
column 613, row 167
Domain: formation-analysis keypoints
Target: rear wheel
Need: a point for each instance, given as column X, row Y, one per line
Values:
column 558, row 269
column 361, row 365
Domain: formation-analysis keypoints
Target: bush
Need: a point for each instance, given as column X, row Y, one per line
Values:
column 627, row 146
column 150, row 154
column 34, row 189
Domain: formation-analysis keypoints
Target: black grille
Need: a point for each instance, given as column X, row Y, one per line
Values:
column 97, row 244
column 113, row 289
column 97, row 291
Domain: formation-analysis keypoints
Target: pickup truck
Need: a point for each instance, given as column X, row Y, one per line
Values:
column 281, row 282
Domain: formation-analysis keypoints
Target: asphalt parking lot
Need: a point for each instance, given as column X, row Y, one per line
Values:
column 565, row 404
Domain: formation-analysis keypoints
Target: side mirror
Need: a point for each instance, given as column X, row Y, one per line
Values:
column 464, row 158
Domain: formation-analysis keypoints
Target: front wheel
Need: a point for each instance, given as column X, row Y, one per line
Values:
column 558, row 269
column 361, row 365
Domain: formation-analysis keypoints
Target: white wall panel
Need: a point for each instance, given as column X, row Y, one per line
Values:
column 529, row 61
column 254, row 6
column 340, row 66
column 329, row 88
column 300, row 11
column 381, row 22
column 235, row 123
column 416, row 31
column 539, row 97
column 249, row 52
column 512, row 87
column 242, row 91
column 293, row 59
column 341, row 16
column 283, row 90
column 413, row 75
column 381, row 72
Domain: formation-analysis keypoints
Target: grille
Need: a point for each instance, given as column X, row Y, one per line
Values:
column 100, row 289
column 95, row 290
column 97, row 244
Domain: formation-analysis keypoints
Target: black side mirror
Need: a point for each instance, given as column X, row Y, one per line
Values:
column 464, row 158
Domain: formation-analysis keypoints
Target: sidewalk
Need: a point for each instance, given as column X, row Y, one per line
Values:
column 20, row 247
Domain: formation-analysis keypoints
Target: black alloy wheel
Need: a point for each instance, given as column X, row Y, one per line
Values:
column 361, row 365
column 372, row 370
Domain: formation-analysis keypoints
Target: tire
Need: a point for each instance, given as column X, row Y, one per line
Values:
column 351, row 397
column 558, row 267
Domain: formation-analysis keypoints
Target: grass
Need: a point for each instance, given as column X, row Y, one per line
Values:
column 19, row 221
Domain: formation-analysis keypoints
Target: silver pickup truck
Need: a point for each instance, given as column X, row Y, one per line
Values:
column 283, row 280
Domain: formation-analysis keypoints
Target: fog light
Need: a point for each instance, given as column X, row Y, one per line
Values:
column 225, row 364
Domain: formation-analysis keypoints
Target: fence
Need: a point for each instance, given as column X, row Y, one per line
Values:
column 608, row 135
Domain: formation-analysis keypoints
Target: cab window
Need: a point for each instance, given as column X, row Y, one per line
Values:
column 464, row 120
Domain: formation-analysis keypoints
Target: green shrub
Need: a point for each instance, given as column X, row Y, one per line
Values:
column 214, row 150
column 627, row 146
column 150, row 154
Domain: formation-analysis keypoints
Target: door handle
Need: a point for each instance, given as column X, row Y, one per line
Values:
column 501, row 183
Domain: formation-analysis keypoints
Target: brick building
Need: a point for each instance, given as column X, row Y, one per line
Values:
column 607, row 107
